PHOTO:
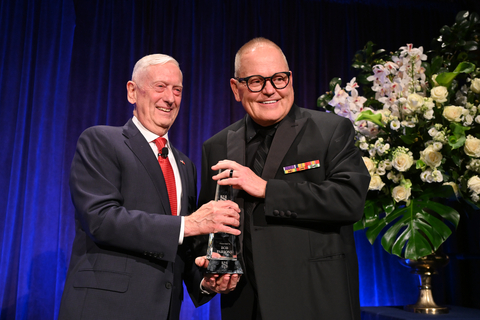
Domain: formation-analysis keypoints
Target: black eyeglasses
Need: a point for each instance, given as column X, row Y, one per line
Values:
column 256, row 83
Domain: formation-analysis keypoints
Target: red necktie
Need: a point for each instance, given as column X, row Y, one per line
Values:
column 167, row 174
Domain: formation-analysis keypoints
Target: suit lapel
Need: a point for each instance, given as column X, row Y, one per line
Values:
column 236, row 148
column 286, row 133
column 183, row 176
column 142, row 150
column 236, row 152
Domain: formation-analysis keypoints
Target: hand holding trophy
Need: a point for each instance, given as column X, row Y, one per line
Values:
column 222, row 247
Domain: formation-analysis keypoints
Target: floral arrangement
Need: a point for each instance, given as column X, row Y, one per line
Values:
column 418, row 123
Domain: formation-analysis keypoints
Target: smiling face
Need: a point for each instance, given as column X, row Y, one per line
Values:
column 270, row 105
column 156, row 93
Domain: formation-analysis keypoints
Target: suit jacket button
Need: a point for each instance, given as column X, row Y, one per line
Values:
column 288, row 213
column 160, row 255
column 276, row 213
column 282, row 214
column 168, row 285
column 294, row 214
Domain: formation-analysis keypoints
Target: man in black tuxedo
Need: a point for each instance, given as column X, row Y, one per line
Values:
column 131, row 249
column 301, row 184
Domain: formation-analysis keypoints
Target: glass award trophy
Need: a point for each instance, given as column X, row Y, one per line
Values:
column 222, row 247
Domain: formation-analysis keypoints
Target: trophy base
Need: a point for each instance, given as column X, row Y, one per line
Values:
column 224, row 266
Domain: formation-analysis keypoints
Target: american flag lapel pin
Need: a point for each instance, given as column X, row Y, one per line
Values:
column 183, row 162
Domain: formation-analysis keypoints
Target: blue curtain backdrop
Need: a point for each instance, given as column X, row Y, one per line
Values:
column 64, row 65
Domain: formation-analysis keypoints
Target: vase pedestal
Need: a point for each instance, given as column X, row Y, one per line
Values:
column 425, row 267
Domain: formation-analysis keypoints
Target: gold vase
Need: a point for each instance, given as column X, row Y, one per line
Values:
column 425, row 267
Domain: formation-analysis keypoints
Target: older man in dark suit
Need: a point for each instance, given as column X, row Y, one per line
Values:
column 133, row 193
column 301, row 184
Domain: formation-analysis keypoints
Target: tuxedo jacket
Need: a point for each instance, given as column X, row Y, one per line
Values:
column 302, row 236
column 126, row 262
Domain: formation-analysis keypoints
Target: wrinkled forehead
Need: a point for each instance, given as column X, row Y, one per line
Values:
column 168, row 71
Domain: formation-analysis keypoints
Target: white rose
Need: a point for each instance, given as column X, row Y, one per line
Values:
column 468, row 120
column 431, row 157
column 472, row 146
column 437, row 176
column 432, row 132
column 395, row 125
column 439, row 94
column 376, row 183
column 425, row 174
column 429, row 104
column 428, row 114
column 475, row 86
column 401, row 193
column 437, row 146
column 402, row 161
column 369, row 164
column 474, row 184
column 453, row 113
column 414, row 101
column 474, row 165
column 363, row 146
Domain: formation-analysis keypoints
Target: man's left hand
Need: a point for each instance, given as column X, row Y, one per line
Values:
column 217, row 283
column 241, row 177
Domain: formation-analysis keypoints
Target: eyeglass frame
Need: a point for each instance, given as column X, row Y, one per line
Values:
column 288, row 73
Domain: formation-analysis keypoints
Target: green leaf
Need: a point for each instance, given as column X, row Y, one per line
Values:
column 445, row 30
column 471, row 46
column 446, row 78
column 417, row 247
column 359, row 225
column 409, row 139
column 413, row 231
column 373, row 232
column 334, row 82
column 391, row 235
column 464, row 67
column 370, row 116
column 458, row 138
column 462, row 15
column 446, row 212
column 474, row 18
column 442, row 232
column 399, row 244
column 456, row 142
column 433, row 236
column 436, row 64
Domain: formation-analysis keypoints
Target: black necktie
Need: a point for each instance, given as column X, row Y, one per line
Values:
column 266, row 137
column 266, row 134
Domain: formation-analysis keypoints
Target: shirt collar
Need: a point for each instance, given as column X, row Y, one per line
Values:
column 149, row 136
column 252, row 128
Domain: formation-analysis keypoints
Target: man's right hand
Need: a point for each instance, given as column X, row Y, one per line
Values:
column 213, row 217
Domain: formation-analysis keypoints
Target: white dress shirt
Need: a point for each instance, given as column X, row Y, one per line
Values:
column 151, row 137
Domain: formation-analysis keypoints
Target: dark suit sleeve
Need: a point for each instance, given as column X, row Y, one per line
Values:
column 333, row 193
column 116, row 203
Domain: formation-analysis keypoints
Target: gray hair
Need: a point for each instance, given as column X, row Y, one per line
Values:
column 151, row 60
column 254, row 43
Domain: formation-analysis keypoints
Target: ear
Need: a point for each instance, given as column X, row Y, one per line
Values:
column 131, row 92
column 233, row 85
